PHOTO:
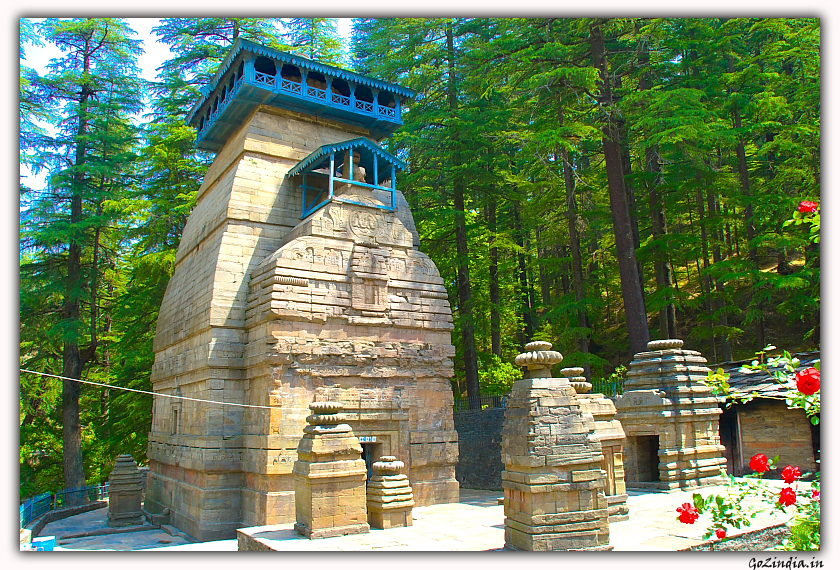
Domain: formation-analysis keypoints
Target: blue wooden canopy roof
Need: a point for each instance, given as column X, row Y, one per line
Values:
column 239, row 87
column 327, row 149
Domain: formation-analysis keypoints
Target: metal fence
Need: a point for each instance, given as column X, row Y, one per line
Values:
column 607, row 387
column 39, row 505
column 480, row 403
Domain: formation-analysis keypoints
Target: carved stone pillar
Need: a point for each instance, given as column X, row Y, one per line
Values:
column 609, row 432
column 330, row 476
column 553, row 481
column 389, row 497
column 125, row 490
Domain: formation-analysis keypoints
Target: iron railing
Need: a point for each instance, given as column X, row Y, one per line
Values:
column 40, row 505
column 480, row 403
column 609, row 388
column 606, row 387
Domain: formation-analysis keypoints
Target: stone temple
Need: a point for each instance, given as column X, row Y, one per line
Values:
column 298, row 279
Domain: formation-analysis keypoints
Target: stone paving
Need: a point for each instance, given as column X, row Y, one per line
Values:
column 474, row 524
column 90, row 531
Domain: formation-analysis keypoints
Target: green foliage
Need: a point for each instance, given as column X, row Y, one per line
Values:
column 720, row 140
column 718, row 381
column 315, row 38
column 805, row 527
column 497, row 376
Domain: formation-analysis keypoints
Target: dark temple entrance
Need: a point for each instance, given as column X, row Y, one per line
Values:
column 370, row 453
column 642, row 459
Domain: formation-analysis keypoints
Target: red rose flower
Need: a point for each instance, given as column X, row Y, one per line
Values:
column 688, row 513
column 791, row 474
column 787, row 497
column 721, row 533
column 808, row 381
column 759, row 463
column 815, row 495
column 807, row 207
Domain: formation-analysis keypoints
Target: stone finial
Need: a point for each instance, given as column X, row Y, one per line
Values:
column 577, row 379
column 667, row 344
column 389, row 495
column 387, row 465
column 539, row 359
column 326, row 418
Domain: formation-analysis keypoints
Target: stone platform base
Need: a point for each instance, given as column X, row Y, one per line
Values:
column 386, row 519
column 681, row 485
column 330, row 532
column 617, row 508
column 566, row 541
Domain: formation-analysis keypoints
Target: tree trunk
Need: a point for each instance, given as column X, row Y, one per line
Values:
column 662, row 265
column 495, row 297
column 72, row 360
column 749, row 217
column 714, row 209
column 631, row 286
column 577, row 260
column 526, row 334
column 705, row 280
column 664, row 280
column 465, row 302
column 545, row 274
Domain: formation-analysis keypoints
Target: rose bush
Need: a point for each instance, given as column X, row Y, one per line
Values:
column 808, row 381
column 791, row 474
column 802, row 390
column 759, row 463
column 807, row 207
column 732, row 510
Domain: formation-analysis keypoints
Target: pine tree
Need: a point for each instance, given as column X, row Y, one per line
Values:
column 69, row 233
column 315, row 38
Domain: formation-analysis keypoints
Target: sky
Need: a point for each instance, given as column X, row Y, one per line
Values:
column 37, row 57
column 155, row 53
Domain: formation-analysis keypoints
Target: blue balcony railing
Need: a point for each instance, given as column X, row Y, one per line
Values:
column 264, row 79
column 340, row 99
column 37, row 506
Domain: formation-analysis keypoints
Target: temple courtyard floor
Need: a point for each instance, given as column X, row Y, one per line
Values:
column 476, row 523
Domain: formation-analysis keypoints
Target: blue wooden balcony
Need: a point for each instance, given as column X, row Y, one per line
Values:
column 356, row 163
column 253, row 75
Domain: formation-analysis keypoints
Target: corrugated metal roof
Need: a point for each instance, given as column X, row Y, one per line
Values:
column 743, row 382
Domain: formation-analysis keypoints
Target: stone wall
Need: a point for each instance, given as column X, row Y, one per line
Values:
column 480, row 448
column 770, row 428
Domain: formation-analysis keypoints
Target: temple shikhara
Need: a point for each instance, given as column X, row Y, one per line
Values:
column 299, row 279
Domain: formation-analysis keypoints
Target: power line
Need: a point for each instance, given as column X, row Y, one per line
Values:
column 111, row 386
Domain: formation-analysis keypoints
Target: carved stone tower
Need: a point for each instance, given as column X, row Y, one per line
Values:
column 671, row 420
column 298, row 279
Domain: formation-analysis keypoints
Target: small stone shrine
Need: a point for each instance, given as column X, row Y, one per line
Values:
column 389, row 497
column 611, row 435
column 553, row 481
column 299, row 278
column 124, row 493
column 670, row 418
column 330, row 476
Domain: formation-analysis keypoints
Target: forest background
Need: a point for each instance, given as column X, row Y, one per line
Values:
column 593, row 182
